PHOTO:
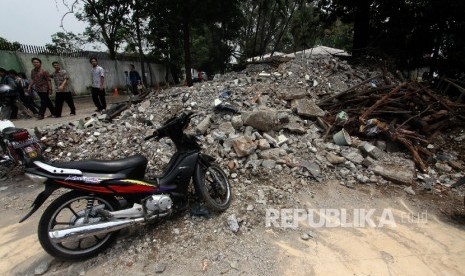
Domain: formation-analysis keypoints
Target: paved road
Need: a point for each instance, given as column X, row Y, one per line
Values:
column 84, row 108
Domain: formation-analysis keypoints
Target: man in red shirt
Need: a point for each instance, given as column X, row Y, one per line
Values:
column 41, row 80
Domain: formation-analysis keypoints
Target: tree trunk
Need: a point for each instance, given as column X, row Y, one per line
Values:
column 361, row 27
column 141, row 53
column 284, row 28
column 186, row 39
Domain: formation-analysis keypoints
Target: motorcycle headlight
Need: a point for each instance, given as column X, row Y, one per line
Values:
column 36, row 178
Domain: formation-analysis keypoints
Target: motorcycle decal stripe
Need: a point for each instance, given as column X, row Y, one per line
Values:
column 85, row 179
column 137, row 182
column 97, row 189
column 132, row 189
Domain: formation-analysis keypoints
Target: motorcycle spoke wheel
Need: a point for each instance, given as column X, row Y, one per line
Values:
column 214, row 188
column 72, row 210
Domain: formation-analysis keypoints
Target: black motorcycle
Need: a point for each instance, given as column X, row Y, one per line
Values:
column 8, row 100
column 108, row 196
column 18, row 146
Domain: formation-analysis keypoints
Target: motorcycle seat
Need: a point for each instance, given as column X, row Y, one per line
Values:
column 105, row 166
column 10, row 130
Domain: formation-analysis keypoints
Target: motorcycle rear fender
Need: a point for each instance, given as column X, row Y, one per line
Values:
column 40, row 199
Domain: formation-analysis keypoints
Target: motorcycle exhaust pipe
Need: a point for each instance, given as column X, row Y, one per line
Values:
column 80, row 232
column 84, row 231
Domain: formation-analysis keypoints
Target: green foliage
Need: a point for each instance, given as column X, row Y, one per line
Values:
column 408, row 31
column 338, row 35
column 305, row 28
column 65, row 42
column 107, row 20
column 205, row 34
column 9, row 46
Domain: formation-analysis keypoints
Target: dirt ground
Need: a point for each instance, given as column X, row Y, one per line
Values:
column 427, row 238
column 84, row 109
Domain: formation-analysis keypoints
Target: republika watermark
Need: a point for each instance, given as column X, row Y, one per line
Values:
column 351, row 218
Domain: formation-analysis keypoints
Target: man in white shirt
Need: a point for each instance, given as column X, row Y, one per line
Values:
column 98, row 88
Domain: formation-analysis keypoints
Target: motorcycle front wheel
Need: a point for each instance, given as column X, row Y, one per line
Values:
column 213, row 186
column 70, row 210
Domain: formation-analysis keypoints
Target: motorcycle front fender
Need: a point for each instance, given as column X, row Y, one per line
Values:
column 204, row 162
column 40, row 199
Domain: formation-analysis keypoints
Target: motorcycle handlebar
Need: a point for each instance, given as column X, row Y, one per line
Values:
column 183, row 118
column 154, row 134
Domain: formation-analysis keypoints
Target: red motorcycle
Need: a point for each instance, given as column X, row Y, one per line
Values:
column 111, row 195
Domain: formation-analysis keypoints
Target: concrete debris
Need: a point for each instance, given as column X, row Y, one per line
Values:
column 307, row 108
column 232, row 223
column 398, row 173
column 284, row 129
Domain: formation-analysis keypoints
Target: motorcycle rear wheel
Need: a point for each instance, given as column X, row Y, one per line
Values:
column 69, row 210
column 213, row 186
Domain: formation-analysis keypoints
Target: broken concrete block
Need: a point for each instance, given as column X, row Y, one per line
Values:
column 312, row 167
column 353, row 156
column 236, row 122
column 397, row 173
column 294, row 93
column 307, row 108
column 371, row 150
column 368, row 161
column 263, row 144
column 334, row 159
column 282, row 139
column 204, row 125
column 264, row 120
column 270, row 140
column 243, row 146
column 269, row 164
column 227, row 128
column 273, row 154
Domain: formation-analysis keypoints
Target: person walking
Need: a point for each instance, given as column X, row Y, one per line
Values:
column 21, row 85
column 134, row 77
column 98, row 89
column 41, row 80
column 61, row 78
column 30, row 96
column 11, row 95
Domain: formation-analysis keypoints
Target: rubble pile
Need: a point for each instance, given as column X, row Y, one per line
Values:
column 407, row 113
column 270, row 125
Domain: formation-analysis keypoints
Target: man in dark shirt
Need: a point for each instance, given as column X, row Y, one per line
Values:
column 41, row 79
column 61, row 79
column 134, row 77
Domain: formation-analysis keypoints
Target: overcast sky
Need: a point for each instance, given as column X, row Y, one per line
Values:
column 33, row 22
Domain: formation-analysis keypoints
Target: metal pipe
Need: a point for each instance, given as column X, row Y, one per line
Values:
column 80, row 232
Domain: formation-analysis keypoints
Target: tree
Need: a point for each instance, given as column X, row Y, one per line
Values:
column 305, row 28
column 9, row 46
column 106, row 18
column 408, row 31
column 266, row 24
column 64, row 42
column 182, row 24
